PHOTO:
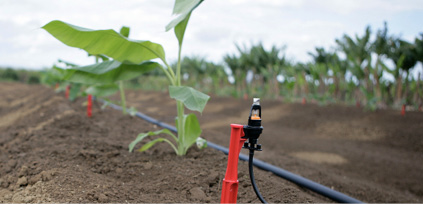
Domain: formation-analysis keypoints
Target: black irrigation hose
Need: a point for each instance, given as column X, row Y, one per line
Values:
column 299, row 180
column 251, row 172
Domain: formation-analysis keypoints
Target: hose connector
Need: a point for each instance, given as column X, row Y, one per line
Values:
column 253, row 130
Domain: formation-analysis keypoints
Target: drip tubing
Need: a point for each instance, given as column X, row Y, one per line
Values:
column 299, row 180
column 253, row 182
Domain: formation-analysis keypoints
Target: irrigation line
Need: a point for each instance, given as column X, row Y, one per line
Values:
column 299, row 180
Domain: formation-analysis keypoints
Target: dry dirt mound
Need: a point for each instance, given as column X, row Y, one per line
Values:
column 51, row 152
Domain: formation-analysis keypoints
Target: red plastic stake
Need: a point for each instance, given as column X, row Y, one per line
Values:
column 67, row 91
column 403, row 110
column 304, row 101
column 230, row 182
column 357, row 104
column 57, row 86
column 89, row 105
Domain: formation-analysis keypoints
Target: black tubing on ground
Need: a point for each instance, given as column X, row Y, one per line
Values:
column 299, row 180
column 253, row 181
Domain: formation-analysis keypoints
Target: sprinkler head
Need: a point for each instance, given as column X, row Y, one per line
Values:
column 256, row 101
column 253, row 130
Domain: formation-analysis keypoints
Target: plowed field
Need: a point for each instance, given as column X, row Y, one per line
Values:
column 51, row 152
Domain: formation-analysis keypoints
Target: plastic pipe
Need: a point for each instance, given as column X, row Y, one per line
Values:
column 230, row 182
column 299, row 180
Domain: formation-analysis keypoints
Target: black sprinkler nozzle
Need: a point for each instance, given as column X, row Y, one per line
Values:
column 253, row 130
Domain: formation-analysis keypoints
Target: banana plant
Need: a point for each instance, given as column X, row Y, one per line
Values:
column 59, row 73
column 380, row 47
column 404, row 56
column 131, row 57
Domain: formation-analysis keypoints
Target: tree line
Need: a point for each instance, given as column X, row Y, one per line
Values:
column 372, row 69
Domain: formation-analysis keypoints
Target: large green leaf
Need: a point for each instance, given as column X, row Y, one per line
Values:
column 108, row 42
column 182, row 9
column 102, row 90
column 192, row 99
column 192, row 130
column 108, row 72
column 141, row 136
column 180, row 30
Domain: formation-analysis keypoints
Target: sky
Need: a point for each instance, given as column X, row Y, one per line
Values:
column 213, row 30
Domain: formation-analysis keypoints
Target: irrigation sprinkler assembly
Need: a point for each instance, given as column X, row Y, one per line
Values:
column 252, row 132
column 294, row 178
column 247, row 135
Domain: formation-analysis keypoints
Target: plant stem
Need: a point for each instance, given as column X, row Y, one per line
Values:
column 178, row 67
column 181, row 124
column 169, row 76
column 122, row 97
column 180, row 108
column 170, row 69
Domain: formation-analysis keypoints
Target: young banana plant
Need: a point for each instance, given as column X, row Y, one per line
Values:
column 131, row 58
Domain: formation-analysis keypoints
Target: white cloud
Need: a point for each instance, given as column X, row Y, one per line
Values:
column 214, row 27
column 346, row 7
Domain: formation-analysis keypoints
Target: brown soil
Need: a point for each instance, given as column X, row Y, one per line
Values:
column 371, row 156
column 51, row 152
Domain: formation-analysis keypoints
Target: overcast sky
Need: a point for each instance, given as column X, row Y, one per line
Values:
column 214, row 27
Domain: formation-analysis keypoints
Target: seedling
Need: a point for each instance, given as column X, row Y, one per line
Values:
column 130, row 58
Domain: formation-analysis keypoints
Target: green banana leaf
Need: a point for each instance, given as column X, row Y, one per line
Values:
column 107, row 42
column 192, row 99
column 108, row 72
column 192, row 130
column 142, row 136
column 102, row 90
column 182, row 9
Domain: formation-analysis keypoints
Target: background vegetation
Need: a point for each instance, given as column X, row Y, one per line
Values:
column 372, row 69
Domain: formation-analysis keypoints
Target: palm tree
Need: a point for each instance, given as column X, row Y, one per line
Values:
column 217, row 75
column 404, row 56
column 357, row 51
column 381, row 47
column 339, row 69
column 233, row 62
column 264, row 64
column 321, row 67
